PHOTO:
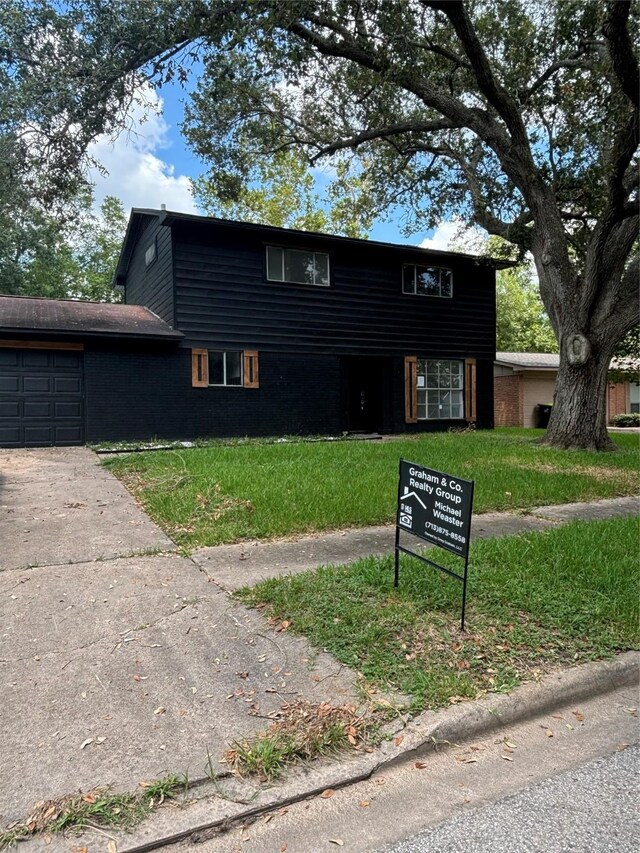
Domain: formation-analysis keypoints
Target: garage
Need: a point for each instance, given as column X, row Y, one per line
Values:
column 41, row 397
column 65, row 366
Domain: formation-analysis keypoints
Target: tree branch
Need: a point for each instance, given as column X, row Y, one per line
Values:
column 498, row 97
column 621, row 51
column 573, row 61
column 382, row 132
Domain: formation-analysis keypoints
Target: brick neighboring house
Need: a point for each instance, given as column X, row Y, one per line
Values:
column 522, row 380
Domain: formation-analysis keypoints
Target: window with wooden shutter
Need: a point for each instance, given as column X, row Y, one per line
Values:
column 470, row 389
column 199, row 368
column 410, row 389
column 251, row 375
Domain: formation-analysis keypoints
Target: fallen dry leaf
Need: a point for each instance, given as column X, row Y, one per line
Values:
column 89, row 798
column 112, row 847
column 283, row 847
column 364, row 804
column 329, row 792
column 399, row 740
column 337, row 841
column 507, row 757
column 420, row 765
column 160, row 710
column 86, row 742
column 578, row 715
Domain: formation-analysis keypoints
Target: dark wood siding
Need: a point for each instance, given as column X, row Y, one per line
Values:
column 152, row 286
column 144, row 393
column 223, row 299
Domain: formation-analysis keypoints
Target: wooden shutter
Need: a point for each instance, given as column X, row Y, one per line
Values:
column 470, row 389
column 410, row 389
column 199, row 368
column 250, row 369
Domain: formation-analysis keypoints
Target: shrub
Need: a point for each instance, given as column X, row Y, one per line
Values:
column 630, row 419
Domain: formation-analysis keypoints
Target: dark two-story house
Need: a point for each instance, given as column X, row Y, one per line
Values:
column 235, row 329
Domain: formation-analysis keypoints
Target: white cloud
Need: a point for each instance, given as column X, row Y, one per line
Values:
column 135, row 172
column 456, row 235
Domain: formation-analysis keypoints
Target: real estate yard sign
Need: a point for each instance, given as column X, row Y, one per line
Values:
column 435, row 507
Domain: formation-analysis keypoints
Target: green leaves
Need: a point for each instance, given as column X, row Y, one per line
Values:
column 282, row 192
column 42, row 254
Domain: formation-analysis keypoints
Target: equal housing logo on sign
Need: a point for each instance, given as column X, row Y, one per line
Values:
column 435, row 507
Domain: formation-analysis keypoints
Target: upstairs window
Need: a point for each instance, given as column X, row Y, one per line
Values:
column 427, row 281
column 151, row 254
column 297, row 266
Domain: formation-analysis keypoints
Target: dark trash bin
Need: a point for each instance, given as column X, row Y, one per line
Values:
column 543, row 413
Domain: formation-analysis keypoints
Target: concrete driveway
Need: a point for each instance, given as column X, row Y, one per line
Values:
column 58, row 505
column 117, row 666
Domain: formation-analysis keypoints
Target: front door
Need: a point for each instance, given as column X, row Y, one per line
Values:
column 365, row 380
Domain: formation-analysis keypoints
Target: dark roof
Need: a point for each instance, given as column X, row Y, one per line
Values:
column 20, row 314
column 170, row 217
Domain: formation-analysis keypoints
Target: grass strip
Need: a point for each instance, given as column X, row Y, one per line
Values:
column 99, row 807
column 536, row 601
column 227, row 493
column 302, row 731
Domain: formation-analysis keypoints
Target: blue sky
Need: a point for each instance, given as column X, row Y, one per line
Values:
column 151, row 165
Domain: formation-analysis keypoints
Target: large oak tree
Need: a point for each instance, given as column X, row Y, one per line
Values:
column 519, row 115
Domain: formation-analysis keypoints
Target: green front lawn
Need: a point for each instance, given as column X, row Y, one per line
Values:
column 535, row 602
column 229, row 492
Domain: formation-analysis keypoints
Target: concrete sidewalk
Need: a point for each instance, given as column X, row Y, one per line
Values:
column 117, row 666
column 235, row 566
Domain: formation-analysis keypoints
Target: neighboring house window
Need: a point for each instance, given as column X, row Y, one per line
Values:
column 427, row 281
column 297, row 266
column 230, row 368
column 440, row 389
column 151, row 253
column 634, row 395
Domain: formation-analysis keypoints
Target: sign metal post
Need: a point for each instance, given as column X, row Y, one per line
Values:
column 435, row 507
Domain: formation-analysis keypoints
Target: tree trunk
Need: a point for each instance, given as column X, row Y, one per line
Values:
column 579, row 416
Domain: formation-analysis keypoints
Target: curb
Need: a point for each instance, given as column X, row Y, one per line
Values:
column 213, row 814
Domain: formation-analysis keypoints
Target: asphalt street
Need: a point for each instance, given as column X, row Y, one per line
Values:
column 594, row 809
